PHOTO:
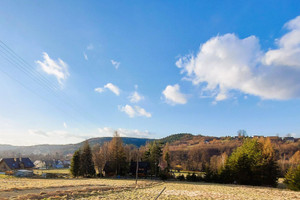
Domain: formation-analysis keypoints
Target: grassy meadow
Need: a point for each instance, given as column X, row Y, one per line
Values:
column 24, row 188
column 51, row 171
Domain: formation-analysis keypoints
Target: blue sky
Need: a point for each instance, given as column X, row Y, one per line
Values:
column 147, row 69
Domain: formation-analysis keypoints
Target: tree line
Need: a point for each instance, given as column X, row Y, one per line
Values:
column 254, row 162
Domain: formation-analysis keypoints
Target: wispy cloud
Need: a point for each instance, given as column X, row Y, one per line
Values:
column 226, row 63
column 55, row 137
column 100, row 90
column 116, row 64
column 58, row 68
column 135, row 97
column 65, row 125
column 90, row 47
column 109, row 86
column 107, row 131
column 85, row 56
column 173, row 95
column 134, row 111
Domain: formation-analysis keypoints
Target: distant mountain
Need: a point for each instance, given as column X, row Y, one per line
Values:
column 5, row 147
column 45, row 149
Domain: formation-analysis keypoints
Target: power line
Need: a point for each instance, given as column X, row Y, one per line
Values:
column 10, row 56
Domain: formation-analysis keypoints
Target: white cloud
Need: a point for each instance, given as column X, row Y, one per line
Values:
column 113, row 88
column 109, row 86
column 173, row 95
column 90, row 47
column 58, row 68
column 128, row 110
column 289, row 47
column 107, row 131
column 55, row 137
column 134, row 111
column 226, row 63
column 115, row 64
column 100, row 90
column 135, row 97
column 85, row 56
column 65, row 125
column 141, row 112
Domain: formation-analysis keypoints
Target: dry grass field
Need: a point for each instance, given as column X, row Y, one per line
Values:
column 24, row 188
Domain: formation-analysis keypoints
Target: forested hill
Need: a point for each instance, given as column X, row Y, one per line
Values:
column 10, row 150
column 176, row 137
column 44, row 149
column 181, row 145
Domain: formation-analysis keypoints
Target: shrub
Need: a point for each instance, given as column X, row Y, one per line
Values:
column 211, row 176
column 164, row 175
column 292, row 178
column 192, row 178
column 180, row 177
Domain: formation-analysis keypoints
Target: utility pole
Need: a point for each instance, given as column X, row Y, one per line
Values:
column 137, row 167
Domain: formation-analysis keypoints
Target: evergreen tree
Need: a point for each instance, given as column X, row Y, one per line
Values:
column 75, row 164
column 292, row 178
column 253, row 164
column 153, row 155
column 167, row 156
column 87, row 168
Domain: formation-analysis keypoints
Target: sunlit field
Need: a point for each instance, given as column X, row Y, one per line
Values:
column 51, row 171
column 24, row 188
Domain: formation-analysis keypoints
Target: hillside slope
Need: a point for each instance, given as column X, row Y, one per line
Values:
column 44, row 149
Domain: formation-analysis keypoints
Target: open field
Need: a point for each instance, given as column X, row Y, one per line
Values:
column 52, row 171
column 185, row 173
column 24, row 188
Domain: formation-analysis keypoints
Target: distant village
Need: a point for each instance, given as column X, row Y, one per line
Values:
column 23, row 166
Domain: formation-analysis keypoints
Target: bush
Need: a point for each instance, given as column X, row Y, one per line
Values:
column 164, row 175
column 225, row 175
column 180, row 177
column 292, row 178
column 193, row 177
column 211, row 176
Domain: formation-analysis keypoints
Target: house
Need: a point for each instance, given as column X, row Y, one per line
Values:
column 39, row 164
column 55, row 164
column 144, row 168
column 11, row 164
column 58, row 164
column 289, row 139
column 67, row 163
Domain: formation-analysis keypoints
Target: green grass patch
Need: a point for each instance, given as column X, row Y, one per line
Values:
column 3, row 176
column 185, row 173
column 51, row 171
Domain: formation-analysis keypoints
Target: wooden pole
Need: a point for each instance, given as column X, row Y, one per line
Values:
column 137, row 168
column 160, row 193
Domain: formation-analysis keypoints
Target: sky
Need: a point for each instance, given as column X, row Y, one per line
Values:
column 71, row 70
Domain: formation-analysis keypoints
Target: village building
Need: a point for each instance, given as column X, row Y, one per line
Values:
column 289, row 139
column 12, row 164
column 39, row 164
